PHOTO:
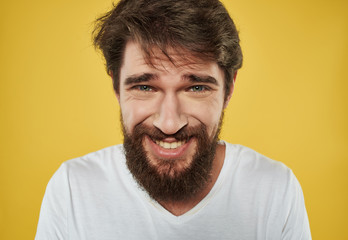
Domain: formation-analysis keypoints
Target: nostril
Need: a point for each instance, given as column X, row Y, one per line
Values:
column 170, row 124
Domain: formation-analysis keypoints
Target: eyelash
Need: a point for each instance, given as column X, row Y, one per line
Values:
column 202, row 88
column 144, row 88
column 147, row 88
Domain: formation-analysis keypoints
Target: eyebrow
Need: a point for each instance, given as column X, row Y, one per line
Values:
column 134, row 79
column 146, row 77
column 201, row 79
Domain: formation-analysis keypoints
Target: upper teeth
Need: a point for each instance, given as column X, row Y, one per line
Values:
column 168, row 145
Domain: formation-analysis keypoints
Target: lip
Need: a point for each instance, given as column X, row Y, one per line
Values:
column 163, row 153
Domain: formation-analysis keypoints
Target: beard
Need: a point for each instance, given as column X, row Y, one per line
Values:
column 166, row 180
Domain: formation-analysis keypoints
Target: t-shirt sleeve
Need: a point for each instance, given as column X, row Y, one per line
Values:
column 53, row 215
column 296, row 225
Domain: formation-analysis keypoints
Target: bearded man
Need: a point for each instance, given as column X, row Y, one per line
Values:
column 173, row 66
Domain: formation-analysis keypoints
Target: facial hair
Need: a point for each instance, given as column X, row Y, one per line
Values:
column 174, row 184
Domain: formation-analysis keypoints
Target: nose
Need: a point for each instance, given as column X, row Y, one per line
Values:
column 169, row 117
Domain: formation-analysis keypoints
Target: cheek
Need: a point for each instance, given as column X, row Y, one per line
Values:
column 210, row 118
column 206, row 112
column 134, row 112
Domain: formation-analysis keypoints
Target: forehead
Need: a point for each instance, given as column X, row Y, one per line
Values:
column 135, row 59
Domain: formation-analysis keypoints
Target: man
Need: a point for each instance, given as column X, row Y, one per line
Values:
column 173, row 66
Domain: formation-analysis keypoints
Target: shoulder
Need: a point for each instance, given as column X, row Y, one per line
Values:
column 255, row 168
column 251, row 160
column 103, row 158
column 264, row 179
column 73, row 185
column 91, row 166
column 270, row 187
column 87, row 173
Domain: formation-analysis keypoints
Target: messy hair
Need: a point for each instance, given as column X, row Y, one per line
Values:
column 201, row 27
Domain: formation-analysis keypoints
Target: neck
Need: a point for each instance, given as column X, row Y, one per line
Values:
column 178, row 208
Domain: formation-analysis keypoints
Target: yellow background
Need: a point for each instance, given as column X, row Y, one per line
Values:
column 290, row 101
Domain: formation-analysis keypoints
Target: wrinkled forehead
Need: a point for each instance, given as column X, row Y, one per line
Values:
column 174, row 56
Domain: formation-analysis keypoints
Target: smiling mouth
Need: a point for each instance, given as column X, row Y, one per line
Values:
column 170, row 145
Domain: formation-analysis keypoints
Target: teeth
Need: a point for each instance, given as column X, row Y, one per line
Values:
column 171, row 145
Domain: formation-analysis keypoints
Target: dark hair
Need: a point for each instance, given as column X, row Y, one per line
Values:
column 202, row 27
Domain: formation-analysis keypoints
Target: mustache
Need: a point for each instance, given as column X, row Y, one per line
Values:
column 184, row 134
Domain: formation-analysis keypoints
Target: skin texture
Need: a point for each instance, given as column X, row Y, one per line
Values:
column 168, row 97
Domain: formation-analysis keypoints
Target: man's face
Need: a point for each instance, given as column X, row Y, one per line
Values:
column 171, row 116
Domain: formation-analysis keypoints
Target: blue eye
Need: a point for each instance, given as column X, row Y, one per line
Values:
column 198, row 88
column 144, row 88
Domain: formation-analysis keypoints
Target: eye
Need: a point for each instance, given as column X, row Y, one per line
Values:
column 198, row 88
column 144, row 88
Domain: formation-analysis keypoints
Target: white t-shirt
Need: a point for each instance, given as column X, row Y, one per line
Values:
column 95, row 197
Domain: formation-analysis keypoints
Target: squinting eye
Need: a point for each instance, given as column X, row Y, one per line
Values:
column 198, row 88
column 144, row 88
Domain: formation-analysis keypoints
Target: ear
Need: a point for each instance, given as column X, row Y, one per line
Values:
column 231, row 90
